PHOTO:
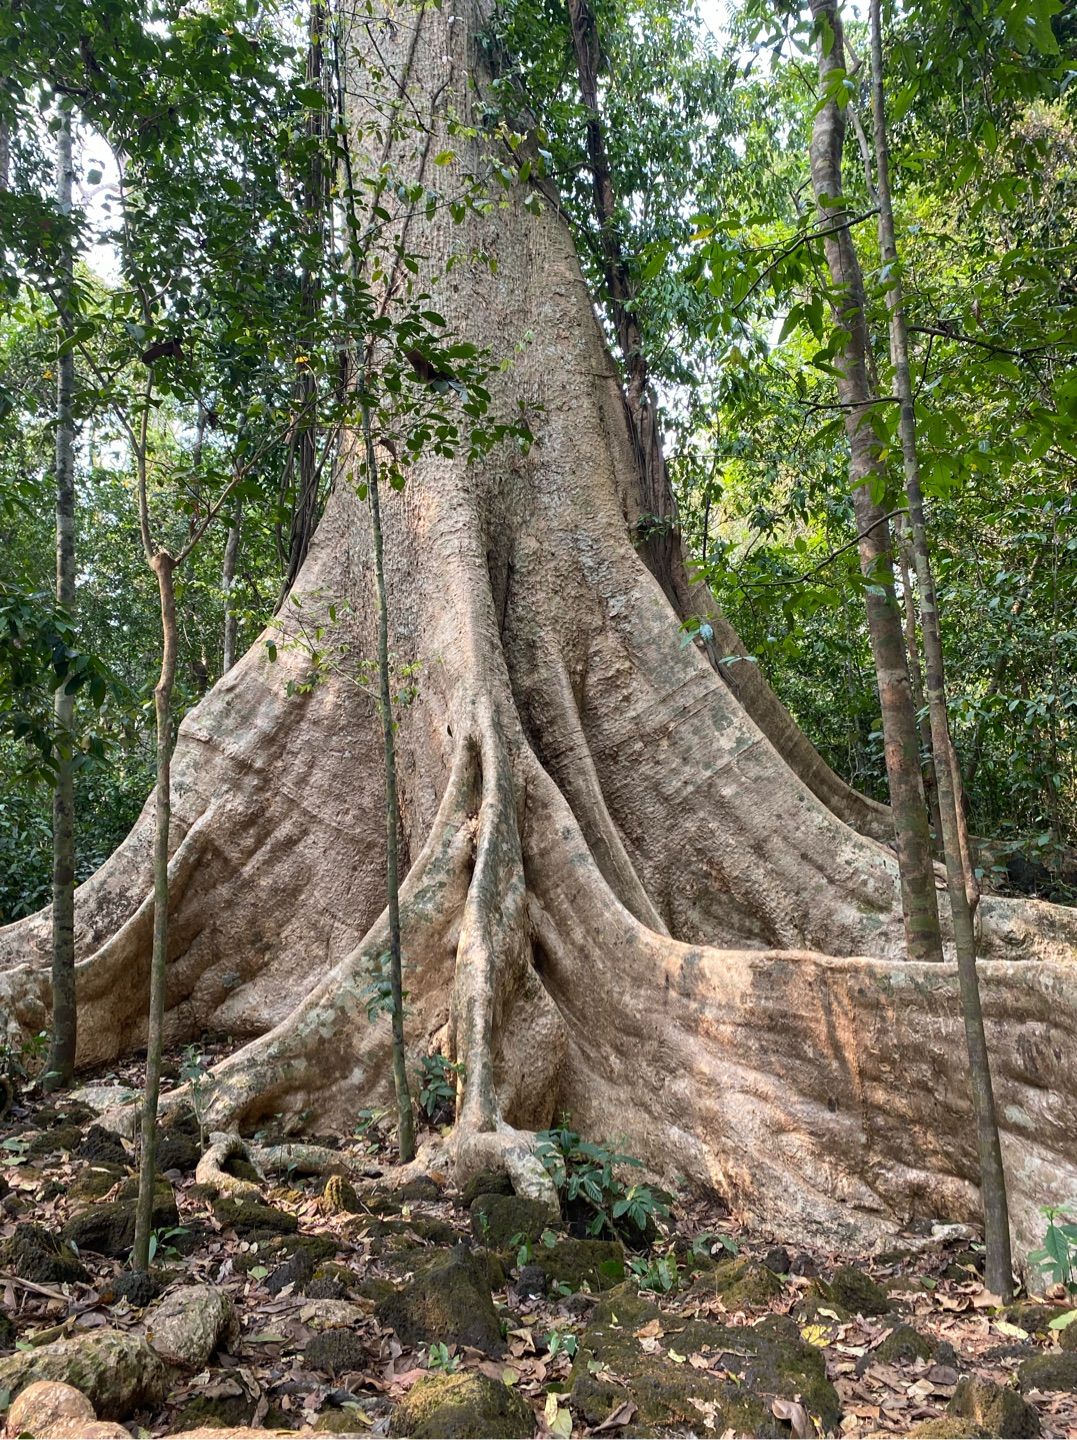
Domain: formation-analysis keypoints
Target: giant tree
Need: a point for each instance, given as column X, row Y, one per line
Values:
column 620, row 899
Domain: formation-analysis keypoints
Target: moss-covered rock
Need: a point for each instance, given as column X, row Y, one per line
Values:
column 766, row 1362
column 948, row 1427
column 449, row 1302
column 739, row 1284
column 344, row 1421
column 178, row 1151
column 51, row 1142
column 251, row 1220
column 376, row 1288
column 217, row 1412
column 1067, row 1337
column 419, row 1188
column 997, row 1409
column 1056, row 1371
column 465, row 1405
column 138, row 1287
column 95, row 1181
column 116, row 1371
column 276, row 1249
column 33, row 1253
column 296, row 1271
column 486, row 1182
column 497, row 1219
column 423, row 1227
column 336, row 1352
column 7, row 1331
column 852, row 1290
column 598, row 1264
column 902, row 1346
column 339, row 1195
column 102, row 1147
column 1035, row 1316
column 109, row 1228
column 190, row 1323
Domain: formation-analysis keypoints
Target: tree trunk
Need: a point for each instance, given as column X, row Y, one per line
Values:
column 60, row 1066
column 998, row 1264
column 405, row 1118
column 162, row 566
column 621, row 901
column 228, row 582
column 916, row 682
column 856, row 394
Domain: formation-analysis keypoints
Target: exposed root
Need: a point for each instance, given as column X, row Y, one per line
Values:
column 210, row 1171
column 299, row 1159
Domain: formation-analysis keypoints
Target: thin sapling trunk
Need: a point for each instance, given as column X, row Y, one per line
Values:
column 228, row 583
column 61, row 1062
column 405, row 1115
column 998, row 1268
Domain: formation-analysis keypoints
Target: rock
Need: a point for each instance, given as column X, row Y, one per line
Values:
column 531, row 1282
column 1067, row 1338
column 50, row 1142
column 334, row 1314
column 342, row 1422
column 770, row 1360
column 901, row 1347
column 486, row 1182
column 50, row 1410
column 116, row 1371
column 803, row 1264
column 336, row 1352
column 176, row 1150
column 1035, row 1316
column 138, row 1287
column 497, row 1221
column 252, row 1220
column 95, row 1181
column 465, row 1405
column 740, row 1284
column 32, row 1253
column 997, row 1409
column 450, row 1302
column 339, row 1194
column 853, row 1291
column 109, row 1228
column 948, row 1427
column 295, row 1272
column 278, row 1248
column 1049, row 1371
column 7, row 1331
column 599, row 1264
column 418, row 1188
column 102, row 1147
column 778, row 1260
column 99, row 1098
column 325, row 1287
column 189, row 1324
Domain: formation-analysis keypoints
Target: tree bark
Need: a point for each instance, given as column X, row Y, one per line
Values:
column 916, row 682
column 866, row 468
column 60, row 1066
column 998, row 1264
column 621, row 900
column 162, row 566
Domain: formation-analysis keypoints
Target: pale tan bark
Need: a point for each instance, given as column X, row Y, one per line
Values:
column 619, row 899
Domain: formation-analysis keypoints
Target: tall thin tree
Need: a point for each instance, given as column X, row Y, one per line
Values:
column 60, row 1066
column 857, row 396
column 998, row 1267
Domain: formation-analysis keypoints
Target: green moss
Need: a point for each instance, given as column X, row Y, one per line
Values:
column 109, row 1228
column 340, row 1422
column 437, row 1232
column 252, row 1220
column 486, row 1182
column 497, row 1219
column 336, row 1352
column 1049, row 1371
column 764, row 1362
column 998, row 1409
column 51, row 1142
column 1033, row 1315
column 600, row 1264
column 276, row 1249
column 902, row 1346
column 33, row 1253
column 420, row 1187
column 853, row 1291
column 224, row 1412
column 465, row 1405
column 95, row 1182
column 741, row 1284
column 339, row 1195
column 7, row 1332
column 948, row 1427
column 449, row 1302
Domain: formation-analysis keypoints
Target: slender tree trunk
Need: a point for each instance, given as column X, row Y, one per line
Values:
column 916, row 681
column 405, row 1115
column 228, row 581
column 162, row 565
column 998, row 1270
column 61, row 1062
column 913, row 840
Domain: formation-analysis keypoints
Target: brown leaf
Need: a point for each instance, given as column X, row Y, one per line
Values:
column 646, row 1332
column 621, row 1416
column 793, row 1411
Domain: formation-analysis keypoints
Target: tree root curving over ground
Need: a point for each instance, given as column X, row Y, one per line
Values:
column 625, row 897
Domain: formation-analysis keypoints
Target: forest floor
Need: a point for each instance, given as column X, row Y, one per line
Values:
column 372, row 1310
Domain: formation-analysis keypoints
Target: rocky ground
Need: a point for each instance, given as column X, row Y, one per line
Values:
column 353, row 1306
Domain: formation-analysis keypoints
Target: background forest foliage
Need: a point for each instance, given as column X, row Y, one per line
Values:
column 204, row 227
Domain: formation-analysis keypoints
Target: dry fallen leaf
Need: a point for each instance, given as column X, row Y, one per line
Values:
column 793, row 1411
column 652, row 1327
column 621, row 1416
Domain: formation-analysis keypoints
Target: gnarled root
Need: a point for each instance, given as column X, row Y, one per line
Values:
column 210, row 1171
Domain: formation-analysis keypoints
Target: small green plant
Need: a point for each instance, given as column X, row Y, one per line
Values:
column 659, row 1273
column 438, row 1078
column 193, row 1073
column 592, row 1192
column 710, row 1242
column 440, row 1357
column 561, row 1342
column 161, row 1242
column 1058, row 1256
